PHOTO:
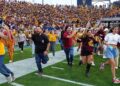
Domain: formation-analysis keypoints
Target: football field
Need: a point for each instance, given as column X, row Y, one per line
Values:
column 60, row 74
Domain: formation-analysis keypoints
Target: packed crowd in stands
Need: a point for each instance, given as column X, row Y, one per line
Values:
column 21, row 15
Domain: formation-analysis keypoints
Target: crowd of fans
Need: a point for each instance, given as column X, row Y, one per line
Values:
column 24, row 15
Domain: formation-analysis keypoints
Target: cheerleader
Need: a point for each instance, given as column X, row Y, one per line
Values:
column 87, row 48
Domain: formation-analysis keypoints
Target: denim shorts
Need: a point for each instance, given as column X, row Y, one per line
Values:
column 111, row 52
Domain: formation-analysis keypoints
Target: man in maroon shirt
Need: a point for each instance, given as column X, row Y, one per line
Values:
column 68, row 44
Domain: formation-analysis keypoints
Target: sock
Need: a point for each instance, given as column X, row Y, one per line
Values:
column 88, row 67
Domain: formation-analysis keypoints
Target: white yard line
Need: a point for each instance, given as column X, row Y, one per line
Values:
column 57, row 68
column 24, row 67
column 67, row 63
column 66, row 80
column 16, row 84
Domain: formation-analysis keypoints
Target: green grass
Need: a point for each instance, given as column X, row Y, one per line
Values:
column 58, row 47
column 76, row 73
column 20, row 56
column 25, row 55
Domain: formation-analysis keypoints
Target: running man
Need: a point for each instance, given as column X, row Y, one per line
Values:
column 42, row 45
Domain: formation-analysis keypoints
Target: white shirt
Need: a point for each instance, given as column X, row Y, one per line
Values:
column 111, row 38
column 21, row 37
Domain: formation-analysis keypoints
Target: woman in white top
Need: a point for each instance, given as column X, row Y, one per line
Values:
column 111, row 52
column 21, row 40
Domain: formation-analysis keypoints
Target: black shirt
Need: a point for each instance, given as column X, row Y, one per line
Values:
column 41, row 41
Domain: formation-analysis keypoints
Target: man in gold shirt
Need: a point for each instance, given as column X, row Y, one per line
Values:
column 3, row 69
column 52, row 38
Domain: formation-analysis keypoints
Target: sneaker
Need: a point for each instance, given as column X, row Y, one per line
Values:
column 13, row 77
column 102, row 66
column 33, row 55
column 93, row 64
column 9, row 79
column 98, row 53
column 70, row 64
column 10, row 61
column 116, row 81
column 116, row 67
column 21, row 51
column 39, row 73
column 80, row 63
column 87, row 74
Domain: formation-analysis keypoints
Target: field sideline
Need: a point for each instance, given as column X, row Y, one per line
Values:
column 75, row 74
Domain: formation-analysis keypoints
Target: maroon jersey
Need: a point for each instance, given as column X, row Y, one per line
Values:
column 100, row 34
column 88, row 43
column 68, row 42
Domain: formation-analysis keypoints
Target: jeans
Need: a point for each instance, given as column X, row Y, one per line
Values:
column 61, row 43
column 40, row 58
column 69, row 54
column 96, row 47
column 21, row 45
column 3, row 69
column 52, row 47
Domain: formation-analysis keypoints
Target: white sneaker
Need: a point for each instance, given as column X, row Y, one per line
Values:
column 38, row 74
column 116, row 67
column 21, row 51
column 10, row 61
column 104, row 56
column 98, row 53
column 93, row 64
column 116, row 81
column 13, row 77
column 9, row 79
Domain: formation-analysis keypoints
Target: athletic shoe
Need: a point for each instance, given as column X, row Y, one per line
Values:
column 70, row 64
column 13, row 77
column 10, row 61
column 116, row 67
column 39, row 73
column 33, row 55
column 116, row 81
column 102, row 66
column 21, row 51
column 98, row 53
column 9, row 79
column 87, row 74
column 93, row 64
column 80, row 63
